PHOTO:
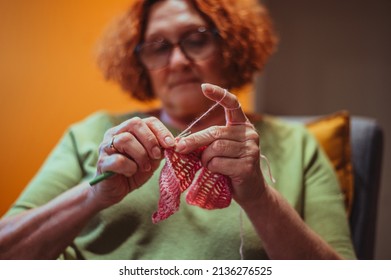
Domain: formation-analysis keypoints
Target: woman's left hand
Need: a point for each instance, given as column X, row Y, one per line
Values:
column 232, row 150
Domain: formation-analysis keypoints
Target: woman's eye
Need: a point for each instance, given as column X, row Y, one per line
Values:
column 162, row 48
column 197, row 40
column 158, row 48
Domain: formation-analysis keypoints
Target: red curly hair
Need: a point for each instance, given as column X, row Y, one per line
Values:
column 247, row 34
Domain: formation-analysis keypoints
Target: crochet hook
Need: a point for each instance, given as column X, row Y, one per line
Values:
column 101, row 177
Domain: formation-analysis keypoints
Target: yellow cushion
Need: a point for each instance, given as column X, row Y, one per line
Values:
column 333, row 134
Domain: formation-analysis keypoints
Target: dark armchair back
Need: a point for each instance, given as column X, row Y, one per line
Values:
column 367, row 150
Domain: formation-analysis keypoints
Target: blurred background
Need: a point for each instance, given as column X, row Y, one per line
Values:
column 332, row 55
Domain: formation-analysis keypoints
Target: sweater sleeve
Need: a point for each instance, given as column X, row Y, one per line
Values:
column 323, row 205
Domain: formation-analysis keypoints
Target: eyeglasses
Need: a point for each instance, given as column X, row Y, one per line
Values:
column 196, row 46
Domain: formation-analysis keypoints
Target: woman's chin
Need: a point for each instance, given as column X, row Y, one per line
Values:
column 182, row 113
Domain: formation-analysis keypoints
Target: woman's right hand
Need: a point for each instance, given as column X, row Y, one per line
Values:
column 133, row 151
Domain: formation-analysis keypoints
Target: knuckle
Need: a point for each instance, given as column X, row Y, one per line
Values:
column 126, row 138
column 109, row 133
column 156, row 123
column 129, row 172
column 235, row 99
column 191, row 141
column 125, row 165
column 119, row 162
column 255, row 138
column 123, row 160
column 248, row 165
column 161, row 130
column 243, row 150
column 213, row 164
column 136, row 122
column 136, row 119
column 252, row 149
column 152, row 120
column 100, row 161
column 149, row 139
column 102, row 147
column 215, row 132
column 219, row 147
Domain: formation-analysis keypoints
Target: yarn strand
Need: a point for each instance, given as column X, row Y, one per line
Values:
column 187, row 130
column 264, row 158
column 241, row 234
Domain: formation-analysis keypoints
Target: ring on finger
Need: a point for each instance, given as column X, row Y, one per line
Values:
column 112, row 144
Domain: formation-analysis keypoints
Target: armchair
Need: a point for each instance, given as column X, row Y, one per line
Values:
column 367, row 149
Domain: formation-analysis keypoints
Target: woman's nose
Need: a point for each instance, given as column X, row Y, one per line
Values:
column 178, row 57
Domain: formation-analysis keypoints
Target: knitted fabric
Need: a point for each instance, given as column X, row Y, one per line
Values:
column 208, row 190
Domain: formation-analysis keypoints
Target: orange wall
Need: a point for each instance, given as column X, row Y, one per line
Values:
column 48, row 80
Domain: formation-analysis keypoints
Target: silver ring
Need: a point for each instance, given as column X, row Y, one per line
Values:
column 112, row 144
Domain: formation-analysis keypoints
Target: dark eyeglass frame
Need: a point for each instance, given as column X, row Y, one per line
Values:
column 181, row 42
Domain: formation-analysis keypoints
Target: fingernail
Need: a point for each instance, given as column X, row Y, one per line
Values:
column 203, row 87
column 180, row 146
column 156, row 152
column 169, row 141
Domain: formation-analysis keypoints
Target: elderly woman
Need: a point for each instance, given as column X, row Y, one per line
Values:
column 184, row 53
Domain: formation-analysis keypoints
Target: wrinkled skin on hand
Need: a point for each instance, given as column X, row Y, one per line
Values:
column 133, row 154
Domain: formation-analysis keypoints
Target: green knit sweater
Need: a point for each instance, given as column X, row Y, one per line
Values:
column 125, row 231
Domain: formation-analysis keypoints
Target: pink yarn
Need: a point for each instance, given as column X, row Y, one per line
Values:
column 209, row 190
